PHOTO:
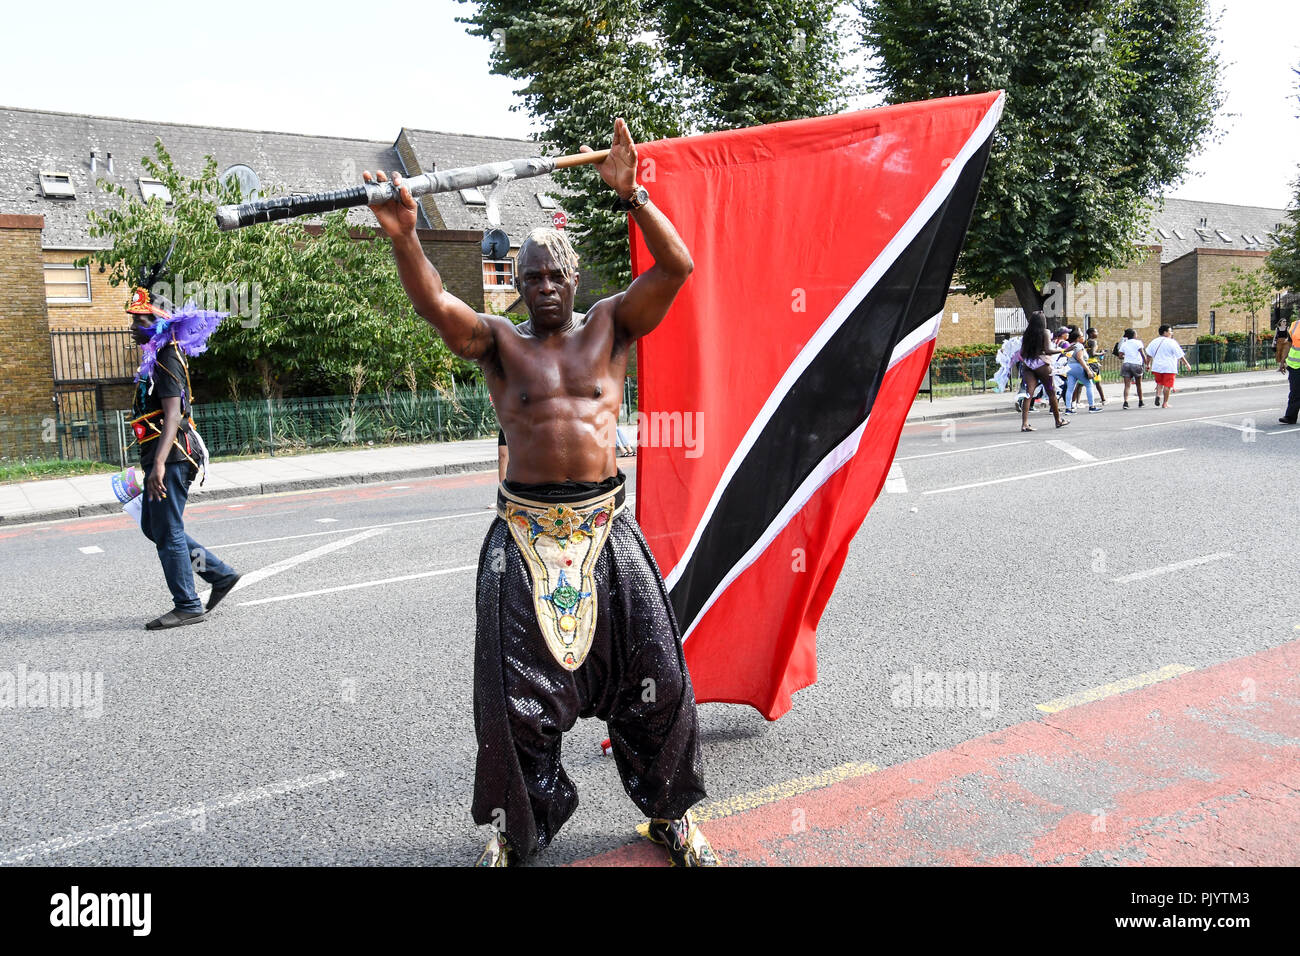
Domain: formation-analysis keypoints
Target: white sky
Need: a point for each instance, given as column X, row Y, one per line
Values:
column 309, row 68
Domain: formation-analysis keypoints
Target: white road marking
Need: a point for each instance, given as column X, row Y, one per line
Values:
column 233, row 507
column 1052, row 471
column 317, row 534
column 398, row 487
column 171, row 815
column 326, row 520
column 361, row 584
column 1203, row 418
column 1247, row 429
column 1116, row 687
column 895, row 483
column 1078, row 454
column 1170, row 568
column 1282, row 431
column 261, row 574
column 92, row 549
column 960, row 451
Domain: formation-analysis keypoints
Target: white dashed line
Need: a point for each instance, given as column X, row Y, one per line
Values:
column 896, row 484
column 361, row 584
column 962, row 451
column 1170, row 568
column 171, row 815
column 326, row 520
column 1078, row 454
column 1051, row 471
column 92, row 549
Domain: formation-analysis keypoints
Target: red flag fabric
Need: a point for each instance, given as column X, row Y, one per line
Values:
column 772, row 396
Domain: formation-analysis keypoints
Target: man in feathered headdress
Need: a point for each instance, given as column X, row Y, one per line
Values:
column 171, row 451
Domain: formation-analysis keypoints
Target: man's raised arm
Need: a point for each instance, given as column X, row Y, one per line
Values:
column 466, row 333
column 646, row 301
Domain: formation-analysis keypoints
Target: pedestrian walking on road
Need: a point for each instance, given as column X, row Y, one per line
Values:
column 1080, row 373
column 1164, row 357
column 1292, row 367
column 1094, row 362
column 1036, row 355
column 1133, row 362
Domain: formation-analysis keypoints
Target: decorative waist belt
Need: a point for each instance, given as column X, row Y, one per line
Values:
column 560, row 543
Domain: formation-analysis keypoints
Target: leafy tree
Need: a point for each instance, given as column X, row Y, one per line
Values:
column 1248, row 292
column 1283, row 263
column 311, row 314
column 1107, row 100
column 751, row 63
column 585, row 62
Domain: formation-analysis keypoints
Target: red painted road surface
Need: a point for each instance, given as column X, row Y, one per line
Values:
column 1201, row 769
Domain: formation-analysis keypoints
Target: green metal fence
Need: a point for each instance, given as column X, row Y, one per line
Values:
column 271, row 426
column 973, row 376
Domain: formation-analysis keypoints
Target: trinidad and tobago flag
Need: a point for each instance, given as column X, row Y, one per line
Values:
column 773, row 394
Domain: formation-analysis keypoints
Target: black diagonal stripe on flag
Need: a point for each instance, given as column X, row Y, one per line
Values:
column 823, row 251
column 832, row 397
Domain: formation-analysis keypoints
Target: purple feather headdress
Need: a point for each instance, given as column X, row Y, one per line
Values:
column 189, row 327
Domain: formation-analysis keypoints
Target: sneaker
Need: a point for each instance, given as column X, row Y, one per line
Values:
column 1069, row 411
column 1157, row 401
column 1126, row 404
column 1094, row 408
column 1141, row 403
column 497, row 852
column 1286, row 421
column 684, row 841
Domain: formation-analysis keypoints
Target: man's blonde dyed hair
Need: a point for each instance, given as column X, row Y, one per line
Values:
column 554, row 241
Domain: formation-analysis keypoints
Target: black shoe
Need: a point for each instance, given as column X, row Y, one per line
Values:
column 1286, row 421
column 174, row 618
column 219, row 591
column 1157, row 401
column 1142, row 403
column 1126, row 404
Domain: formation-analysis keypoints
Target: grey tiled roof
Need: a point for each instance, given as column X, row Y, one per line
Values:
column 520, row 211
column 34, row 140
column 1242, row 223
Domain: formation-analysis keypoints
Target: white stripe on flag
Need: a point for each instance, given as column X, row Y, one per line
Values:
column 838, row 456
column 938, row 194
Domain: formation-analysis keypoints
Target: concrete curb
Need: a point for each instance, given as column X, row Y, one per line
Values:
column 253, row 491
column 1010, row 407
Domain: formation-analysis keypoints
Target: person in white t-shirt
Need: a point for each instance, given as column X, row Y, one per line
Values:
column 1133, row 359
column 1164, row 358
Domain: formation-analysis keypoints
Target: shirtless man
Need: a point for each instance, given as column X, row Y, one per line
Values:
column 573, row 618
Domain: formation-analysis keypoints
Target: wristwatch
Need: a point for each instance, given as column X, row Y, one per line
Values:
column 639, row 198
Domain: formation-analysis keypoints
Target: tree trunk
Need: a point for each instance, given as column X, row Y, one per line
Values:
column 1031, row 300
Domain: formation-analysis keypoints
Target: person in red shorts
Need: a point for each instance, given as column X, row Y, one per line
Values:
column 1163, row 358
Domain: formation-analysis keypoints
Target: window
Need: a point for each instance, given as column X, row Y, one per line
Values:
column 1180, row 235
column 472, row 197
column 498, row 273
column 1204, row 234
column 1163, row 234
column 57, row 185
column 66, row 283
column 546, row 202
column 1223, row 235
column 149, row 188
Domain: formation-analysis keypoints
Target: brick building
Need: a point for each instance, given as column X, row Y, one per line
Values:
column 1191, row 248
column 50, row 163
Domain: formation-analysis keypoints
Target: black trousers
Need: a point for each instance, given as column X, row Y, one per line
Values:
column 634, row 678
column 1293, row 399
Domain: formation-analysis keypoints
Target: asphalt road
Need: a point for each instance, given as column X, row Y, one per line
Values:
column 322, row 715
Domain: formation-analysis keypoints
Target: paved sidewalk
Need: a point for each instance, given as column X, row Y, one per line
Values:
column 58, row 498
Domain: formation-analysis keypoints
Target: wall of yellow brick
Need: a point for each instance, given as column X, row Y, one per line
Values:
column 1178, row 290
column 974, row 321
column 26, row 376
column 106, row 309
column 1213, row 268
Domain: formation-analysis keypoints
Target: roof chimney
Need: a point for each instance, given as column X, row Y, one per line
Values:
column 110, row 164
column 93, row 162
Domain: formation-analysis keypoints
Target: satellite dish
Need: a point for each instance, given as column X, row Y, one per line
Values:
column 496, row 244
column 249, row 184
